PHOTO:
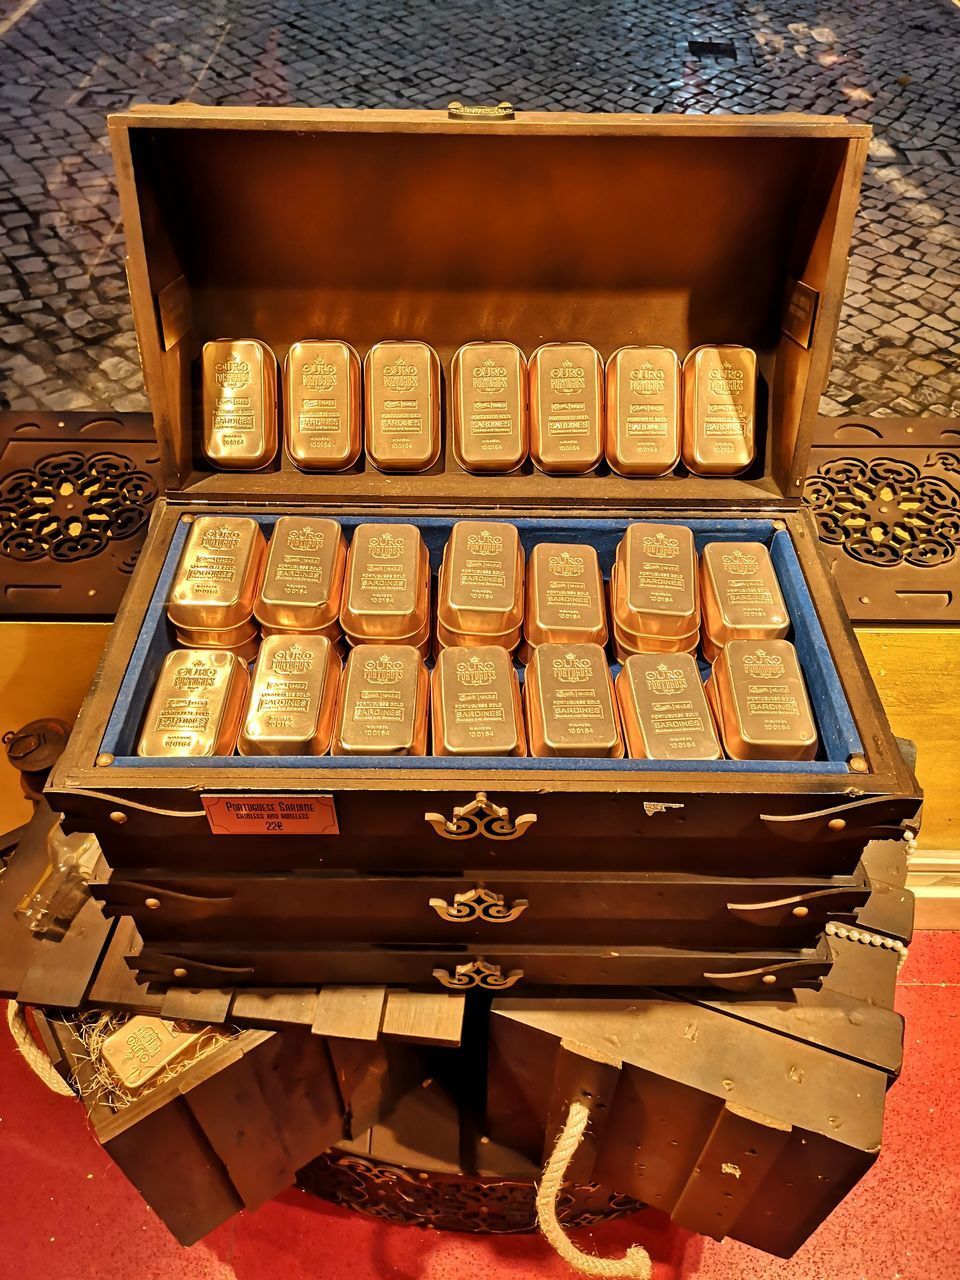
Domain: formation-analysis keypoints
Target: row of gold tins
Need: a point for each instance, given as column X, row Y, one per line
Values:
column 301, row 702
column 642, row 411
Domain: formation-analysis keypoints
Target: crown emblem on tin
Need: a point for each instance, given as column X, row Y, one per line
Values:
column 232, row 372
column 221, row 537
column 383, row 670
column 666, row 679
column 646, row 379
column 401, row 375
column 386, row 546
column 566, row 565
column 726, row 381
column 476, row 671
column 305, row 539
column 292, row 660
column 567, row 377
column 320, row 375
column 489, row 376
column 572, row 670
column 740, row 563
column 761, row 665
column 198, row 674
column 484, row 543
column 661, row 547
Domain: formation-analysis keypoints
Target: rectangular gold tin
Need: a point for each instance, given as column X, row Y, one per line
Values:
column 664, row 709
column 761, row 702
column 196, row 706
column 323, row 427
column 145, row 1046
column 218, row 575
column 402, row 386
column 386, row 596
column 655, row 587
column 490, row 425
column 740, row 595
column 302, row 586
column 475, row 704
column 481, row 581
column 625, row 643
column 643, row 411
column 384, row 701
column 565, row 601
column 719, row 410
column 239, row 404
column 566, row 407
column 293, row 697
column 569, row 702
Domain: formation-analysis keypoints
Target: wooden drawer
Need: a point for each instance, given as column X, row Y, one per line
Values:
column 533, row 907
column 495, row 968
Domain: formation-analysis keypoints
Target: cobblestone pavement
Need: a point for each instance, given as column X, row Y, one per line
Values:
column 64, row 316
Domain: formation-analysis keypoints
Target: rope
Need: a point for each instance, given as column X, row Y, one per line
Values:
column 636, row 1261
column 36, row 1059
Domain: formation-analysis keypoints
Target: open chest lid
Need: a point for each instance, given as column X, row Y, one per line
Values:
column 284, row 224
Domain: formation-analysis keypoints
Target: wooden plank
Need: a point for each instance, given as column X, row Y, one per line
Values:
column 275, row 1008
column 296, row 1080
column 424, row 1017
column 590, row 1076
column 209, row 1005
column 60, row 972
column 115, row 985
column 354, row 1013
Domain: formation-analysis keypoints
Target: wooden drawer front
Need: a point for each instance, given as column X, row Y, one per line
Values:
column 640, row 910
column 495, row 968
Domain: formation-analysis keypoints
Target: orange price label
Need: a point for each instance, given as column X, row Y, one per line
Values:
column 271, row 815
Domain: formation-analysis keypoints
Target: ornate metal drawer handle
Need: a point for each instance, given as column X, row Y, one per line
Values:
column 479, row 904
column 478, row 974
column 480, row 817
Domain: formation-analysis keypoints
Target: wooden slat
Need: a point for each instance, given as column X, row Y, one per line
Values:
column 424, row 1017
column 296, row 1078
column 354, row 1013
column 275, row 1008
column 207, row 1005
column 115, row 985
column 589, row 1076
column 60, row 972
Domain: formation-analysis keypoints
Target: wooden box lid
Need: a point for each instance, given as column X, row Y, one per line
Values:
column 289, row 223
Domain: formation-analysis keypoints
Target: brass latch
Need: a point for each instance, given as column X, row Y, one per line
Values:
column 478, row 904
column 478, row 973
column 502, row 111
column 481, row 817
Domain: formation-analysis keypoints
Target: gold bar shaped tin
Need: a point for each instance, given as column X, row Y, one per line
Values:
column 475, row 704
column 664, row 709
column 655, row 581
column 761, row 703
column 565, row 600
column 383, row 704
column 480, row 599
column 719, row 410
column 387, row 589
column 239, row 404
column 740, row 596
column 643, row 411
column 293, row 698
column 490, row 429
column 566, row 407
column 196, row 706
column 402, row 386
column 323, row 428
column 570, row 705
column 145, row 1046
column 302, row 585
column 216, row 583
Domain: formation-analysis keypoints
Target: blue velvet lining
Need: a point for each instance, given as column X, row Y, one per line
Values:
column 838, row 734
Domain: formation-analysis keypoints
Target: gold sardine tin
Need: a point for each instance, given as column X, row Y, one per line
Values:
column 239, row 404
column 302, row 585
column 402, row 386
column 566, row 407
column 196, row 706
column 293, row 698
column 570, row 704
column 657, row 590
column 719, row 410
column 475, row 702
column 145, row 1046
column 323, row 428
column 643, row 411
column 740, row 595
column 564, row 598
column 218, row 576
column 761, row 702
column 481, row 584
column 490, row 428
column 383, row 704
column 386, row 595
column 664, row 709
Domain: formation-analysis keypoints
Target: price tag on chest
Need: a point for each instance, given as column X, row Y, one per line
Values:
column 271, row 815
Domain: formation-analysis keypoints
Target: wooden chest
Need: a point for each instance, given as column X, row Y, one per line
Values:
column 287, row 223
